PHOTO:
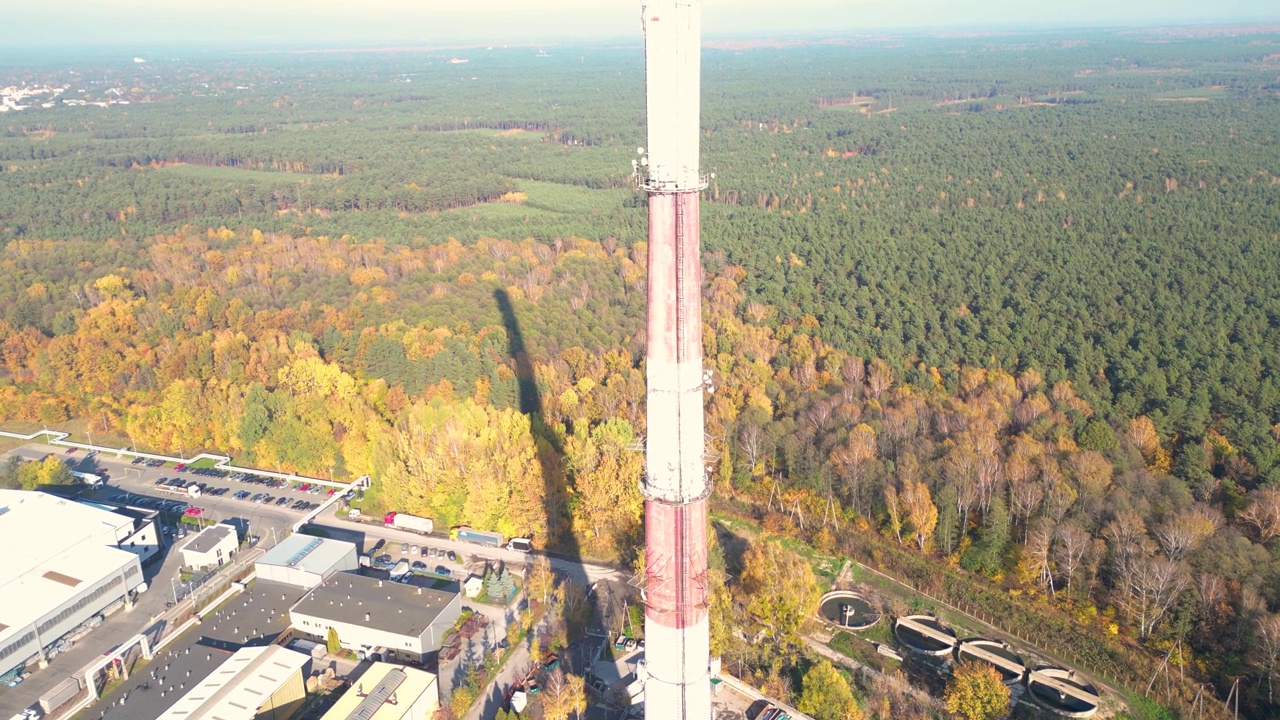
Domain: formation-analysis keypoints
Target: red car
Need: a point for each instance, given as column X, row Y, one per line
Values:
column 192, row 512
column 71, row 451
column 181, row 467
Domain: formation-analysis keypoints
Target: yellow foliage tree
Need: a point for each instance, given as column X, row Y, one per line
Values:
column 976, row 692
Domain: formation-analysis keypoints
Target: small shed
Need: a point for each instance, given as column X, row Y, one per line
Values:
column 472, row 586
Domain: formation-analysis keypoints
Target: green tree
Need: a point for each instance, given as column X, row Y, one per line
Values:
column 825, row 695
column 332, row 642
column 976, row 692
column 9, row 475
column 1097, row 435
column 987, row 554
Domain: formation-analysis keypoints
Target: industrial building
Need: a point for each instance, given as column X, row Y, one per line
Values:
column 66, row 563
column 254, row 683
column 388, row 692
column 306, row 561
column 373, row 617
column 212, row 547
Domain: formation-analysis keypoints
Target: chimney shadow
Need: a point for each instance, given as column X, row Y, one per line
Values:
column 555, row 499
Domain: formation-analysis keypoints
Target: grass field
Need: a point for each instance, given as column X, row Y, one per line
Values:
column 1201, row 94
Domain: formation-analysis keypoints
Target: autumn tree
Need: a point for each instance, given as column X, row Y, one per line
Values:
column 977, row 692
column 1142, row 435
column 49, row 472
column 1037, row 553
column 853, row 458
column 1263, row 513
column 564, row 696
column 893, row 508
column 1071, row 543
column 1186, row 529
column 1149, row 587
column 605, row 474
column 1267, row 651
column 779, row 589
column 825, row 695
column 921, row 513
column 332, row 642
column 541, row 579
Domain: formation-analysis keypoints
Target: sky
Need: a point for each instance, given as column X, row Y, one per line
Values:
column 380, row 22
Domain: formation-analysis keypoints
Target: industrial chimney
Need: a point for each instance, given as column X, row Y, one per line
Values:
column 676, row 485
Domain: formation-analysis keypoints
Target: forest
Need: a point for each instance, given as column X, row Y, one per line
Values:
column 997, row 315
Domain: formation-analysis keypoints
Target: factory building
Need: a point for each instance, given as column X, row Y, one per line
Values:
column 306, row 561
column 254, row 683
column 212, row 547
column 388, row 692
column 65, row 563
column 379, row 619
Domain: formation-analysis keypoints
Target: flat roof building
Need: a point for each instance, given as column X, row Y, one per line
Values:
column 397, row 621
column 388, row 692
column 64, row 563
column 263, row 683
column 306, row 561
column 212, row 547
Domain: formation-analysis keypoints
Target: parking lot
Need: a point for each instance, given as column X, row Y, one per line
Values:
column 181, row 489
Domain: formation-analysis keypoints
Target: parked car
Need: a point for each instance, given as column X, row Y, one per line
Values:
column 284, row 500
column 413, row 549
column 453, row 556
column 419, row 566
column 425, row 550
column 383, row 562
column 404, row 548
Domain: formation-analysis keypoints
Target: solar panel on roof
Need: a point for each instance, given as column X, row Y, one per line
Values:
column 305, row 551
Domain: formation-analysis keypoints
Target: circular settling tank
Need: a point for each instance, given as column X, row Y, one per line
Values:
column 909, row 633
column 1011, row 675
column 1055, row 699
column 848, row 610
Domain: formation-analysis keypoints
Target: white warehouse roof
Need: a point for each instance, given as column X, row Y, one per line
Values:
column 308, row 553
column 54, row 549
column 239, row 686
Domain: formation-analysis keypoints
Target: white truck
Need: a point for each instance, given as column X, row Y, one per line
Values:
column 412, row 523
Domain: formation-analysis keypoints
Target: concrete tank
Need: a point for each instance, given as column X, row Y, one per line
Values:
column 1011, row 665
column 848, row 610
column 938, row 642
column 1054, row 700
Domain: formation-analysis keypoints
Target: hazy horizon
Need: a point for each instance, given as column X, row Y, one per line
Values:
column 291, row 23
